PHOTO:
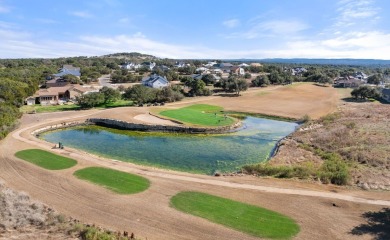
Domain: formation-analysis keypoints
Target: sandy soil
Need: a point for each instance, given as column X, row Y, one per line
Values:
column 149, row 215
column 150, row 119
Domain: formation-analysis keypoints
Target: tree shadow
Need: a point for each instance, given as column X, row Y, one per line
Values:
column 378, row 225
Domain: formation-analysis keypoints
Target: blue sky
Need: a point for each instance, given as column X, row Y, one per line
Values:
column 196, row 29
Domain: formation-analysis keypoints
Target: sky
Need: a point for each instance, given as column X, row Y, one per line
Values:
column 208, row 29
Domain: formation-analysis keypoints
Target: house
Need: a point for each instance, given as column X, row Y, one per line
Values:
column 237, row 70
column 197, row 76
column 162, row 68
column 243, row 65
column 149, row 65
column 181, row 64
column 210, row 64
column 360, row 75
column 223, row 66
column 68, row 69
column 347, row 82
column 58, row 95
column 155, row 81
column 56, row 82
column 298, row 71
column 216, row 71
column 201, row 69
column 129, row 66
column 386, row 94
column 30, row 100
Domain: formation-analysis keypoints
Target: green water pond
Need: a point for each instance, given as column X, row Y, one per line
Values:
column 185, row 152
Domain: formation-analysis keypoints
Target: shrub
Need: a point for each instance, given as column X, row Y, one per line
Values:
column 334, row 170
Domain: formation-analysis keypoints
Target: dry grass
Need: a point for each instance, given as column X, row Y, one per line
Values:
column 23, row 218
column 359, row 133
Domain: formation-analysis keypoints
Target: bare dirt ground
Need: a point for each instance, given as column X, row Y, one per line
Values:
column 322, row 211
column 294, row 101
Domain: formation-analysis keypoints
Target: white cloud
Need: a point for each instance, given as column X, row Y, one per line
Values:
column 354, row 12
column 232, row 23
column 271, row 28
column 81, row 14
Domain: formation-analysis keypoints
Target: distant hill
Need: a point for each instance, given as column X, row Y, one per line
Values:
column 131, row 55
column 343, row 61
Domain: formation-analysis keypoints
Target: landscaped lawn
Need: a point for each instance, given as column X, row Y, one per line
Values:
column 199, row 114
column 72, row 107
column 250, row 219
column 45, row 159
column 116, row 181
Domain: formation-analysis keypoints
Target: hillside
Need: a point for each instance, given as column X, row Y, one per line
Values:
column 358, row 132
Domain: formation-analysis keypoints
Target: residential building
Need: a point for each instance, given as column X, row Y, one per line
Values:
column 360, row 75
column 149, row 65
column 155, row 81
column 68, row 69
column 237, row 70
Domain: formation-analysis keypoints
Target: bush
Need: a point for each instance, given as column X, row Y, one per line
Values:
column 334, row 170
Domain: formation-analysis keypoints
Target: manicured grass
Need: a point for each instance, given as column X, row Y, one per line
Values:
column 250, row 219
column 116, row 181
column 72, row 107
column 49, row 108
column 45, row 159
column 199, row 114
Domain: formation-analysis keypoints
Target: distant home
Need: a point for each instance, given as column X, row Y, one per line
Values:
column 162, row 68
column 68, row 69
column 348, row 82
column 237, row 70
column 56, row 82
column 360, row 75
column 181, row 64
column 223, row 66
column 58, row 95
column 155, row 81
column 386, row 94
column 149, row 65
column 298, row 71
column 129, row 66
column 198, row 76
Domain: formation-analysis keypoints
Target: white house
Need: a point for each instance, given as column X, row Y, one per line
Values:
column 243, row 65
column 149, row 65
column 155, row 81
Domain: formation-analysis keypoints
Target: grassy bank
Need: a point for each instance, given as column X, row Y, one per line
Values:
column 260, row 115
column 45, row 159
column 253, row 220
column 72, row 107
column 333, row 169
column 116, row 181
column 199, row 114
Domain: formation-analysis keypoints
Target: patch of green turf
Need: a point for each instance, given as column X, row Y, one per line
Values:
column 45, row 159
column 116, row 181
column 256, row 221
column 199, row 114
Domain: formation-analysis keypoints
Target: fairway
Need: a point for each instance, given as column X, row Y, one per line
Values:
column 116, row 181
column 45, row 159
column 199, row 114
column 243, row 217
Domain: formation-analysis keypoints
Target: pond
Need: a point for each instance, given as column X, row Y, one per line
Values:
column 184, row 152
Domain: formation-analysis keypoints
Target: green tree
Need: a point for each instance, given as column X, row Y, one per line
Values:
column 140, row 94
column 261, row 81
column 365, row 92
column 13, row 92
column 209, row 79
column 90, row 100
column 375, row 79
column 110, row 94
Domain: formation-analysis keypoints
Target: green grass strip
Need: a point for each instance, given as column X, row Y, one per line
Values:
column 116, row 181
column 45, row 159
column 199, row 114
column 256, row 221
